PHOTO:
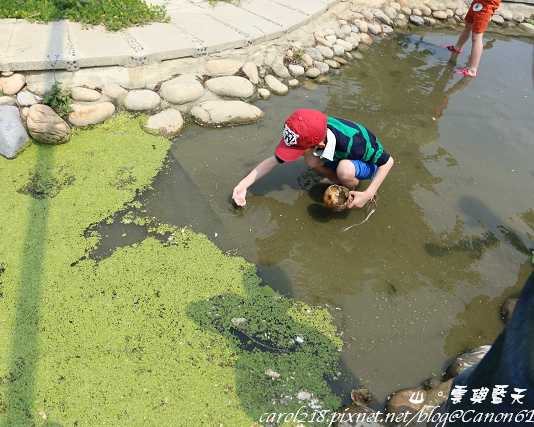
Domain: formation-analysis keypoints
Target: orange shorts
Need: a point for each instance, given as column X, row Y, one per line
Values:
column 480, row 13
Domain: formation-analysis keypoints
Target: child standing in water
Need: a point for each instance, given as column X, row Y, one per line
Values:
column 476, row 21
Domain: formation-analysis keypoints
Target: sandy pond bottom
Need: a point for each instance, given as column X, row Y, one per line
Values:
column 424, row 278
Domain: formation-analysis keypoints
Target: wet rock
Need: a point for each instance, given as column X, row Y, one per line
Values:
column 506, row 14
column 525, row 26
column 83, row 94
column 431, row 383
column 372, row 29
column 141, row 100
column 340, row 60
column 234, row 86
column 518, row 17
column 391, row 13
column 26, row 98
column 440, row 14
column 264, row 93
column 347, row 46
column 382, row 17
column 410, row 399
column 313, row 72
column 437, row 395
column 426, row 11
column 223, row 67
column 182, row 89
column 323, row 67
column 326, row 52
column 417, row 20
column 498, row 19
column 331, row 63
column 281, row 71
column 386, row 29
column 46, row 126
column 225, row 113
column 275, row 85
column 13, row 135
column 251, row 71
column 12, row 84
column 293, row 83
column 366, row 38
column 466, row 360
column 314, row 54
column 306, row 60
column 296, row 70
column 167, row 123
column 508, row 308
column 91, row 114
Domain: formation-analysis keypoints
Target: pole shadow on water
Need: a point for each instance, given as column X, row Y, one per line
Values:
column 21, row 382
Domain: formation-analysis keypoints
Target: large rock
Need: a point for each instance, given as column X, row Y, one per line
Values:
column 12, row 84
column 466, row 360
column 141, row 100
column 13, row 135
column 223, row 67
column 91, row 114
column 275, row 85
column 181, row 90
column 167, row 123
column 251, row 71
column 525, row 26
column 46, row 126
column 410, row 399
column 437, row 396
column 226, row 113
column 234, row 86
column 83, row 94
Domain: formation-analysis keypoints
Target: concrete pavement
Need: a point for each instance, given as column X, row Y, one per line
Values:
column 195, row 29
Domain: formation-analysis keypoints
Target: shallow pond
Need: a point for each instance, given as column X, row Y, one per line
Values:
column 423, row 279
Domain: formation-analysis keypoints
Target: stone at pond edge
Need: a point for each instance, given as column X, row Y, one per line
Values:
column 234, row 86
column 181, row 90
column 141, row 100
column 403, row 401
column 13, row 135
column 466, row 360
column 275, row 85
column 167, row 123
column 437, row 396
column 85, row 115
column 226, row 113
column 508, row 308
column 46, row 126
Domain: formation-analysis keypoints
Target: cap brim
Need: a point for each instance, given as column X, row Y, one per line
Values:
column 287, row 154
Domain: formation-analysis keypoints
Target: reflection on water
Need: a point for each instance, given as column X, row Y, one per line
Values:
column 424, row 278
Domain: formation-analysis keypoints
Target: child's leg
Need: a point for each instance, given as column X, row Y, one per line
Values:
column 476, row 53
column 346, row 172
column 464, row 36
column 315, row 163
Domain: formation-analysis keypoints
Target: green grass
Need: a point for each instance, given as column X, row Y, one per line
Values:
column 146, row 336
column 113, row 14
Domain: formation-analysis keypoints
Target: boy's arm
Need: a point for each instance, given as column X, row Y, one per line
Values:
column 360, row 198
column 240, row 190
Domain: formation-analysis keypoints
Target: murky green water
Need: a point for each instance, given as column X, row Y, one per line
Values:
column 424, row 278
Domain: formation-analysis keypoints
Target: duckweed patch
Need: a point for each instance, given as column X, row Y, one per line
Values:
column 146, row 335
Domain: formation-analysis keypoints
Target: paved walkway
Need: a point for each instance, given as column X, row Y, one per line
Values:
column 195, row 29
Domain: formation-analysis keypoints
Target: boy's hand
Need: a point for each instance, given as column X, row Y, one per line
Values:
column 239, row 195
column 359, row 199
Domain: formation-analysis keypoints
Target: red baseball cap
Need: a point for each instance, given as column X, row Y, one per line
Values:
column 302, row 130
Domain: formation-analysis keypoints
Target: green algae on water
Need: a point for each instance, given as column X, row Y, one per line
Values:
column 147, row 336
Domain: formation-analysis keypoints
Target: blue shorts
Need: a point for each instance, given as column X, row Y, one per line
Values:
column 363, row 170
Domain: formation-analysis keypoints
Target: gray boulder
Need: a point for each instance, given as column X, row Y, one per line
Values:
column 13, row 135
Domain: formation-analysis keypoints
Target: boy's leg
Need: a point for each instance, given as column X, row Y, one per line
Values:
column 476, row 54
column 346, row 172
column 464, row 36
column 315, row 163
